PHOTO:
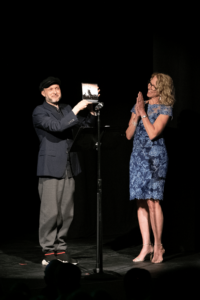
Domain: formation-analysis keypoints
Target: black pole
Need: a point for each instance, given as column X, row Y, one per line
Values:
column 99, row 261
column 99, row 274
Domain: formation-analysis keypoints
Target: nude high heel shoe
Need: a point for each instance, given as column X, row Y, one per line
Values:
column 135, row 260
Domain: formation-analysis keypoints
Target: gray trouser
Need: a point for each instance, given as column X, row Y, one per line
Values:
column 56, row 212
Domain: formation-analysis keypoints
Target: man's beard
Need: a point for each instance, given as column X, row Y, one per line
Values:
column 53, row 102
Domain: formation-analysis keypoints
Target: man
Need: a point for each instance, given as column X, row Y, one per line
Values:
column 53, row 123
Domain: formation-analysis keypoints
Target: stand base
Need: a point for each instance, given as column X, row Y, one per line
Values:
column 103, row 276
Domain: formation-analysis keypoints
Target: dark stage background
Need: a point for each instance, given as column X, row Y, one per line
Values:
column 120, row 57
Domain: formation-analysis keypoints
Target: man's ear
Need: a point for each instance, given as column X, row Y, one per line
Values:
column 43, row 93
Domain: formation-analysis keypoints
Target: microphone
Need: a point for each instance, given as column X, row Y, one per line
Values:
column 99, row 106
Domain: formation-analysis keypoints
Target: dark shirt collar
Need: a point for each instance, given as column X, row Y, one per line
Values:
column 52, row 107
column 57, row 113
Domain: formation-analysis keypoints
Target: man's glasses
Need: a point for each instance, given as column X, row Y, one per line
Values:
column 153, row 87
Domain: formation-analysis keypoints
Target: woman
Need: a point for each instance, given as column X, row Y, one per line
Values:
column 149, row 160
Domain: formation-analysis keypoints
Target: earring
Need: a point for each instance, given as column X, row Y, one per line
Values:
column 160, row 98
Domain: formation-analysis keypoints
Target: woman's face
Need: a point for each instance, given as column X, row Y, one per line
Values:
column 152, row 92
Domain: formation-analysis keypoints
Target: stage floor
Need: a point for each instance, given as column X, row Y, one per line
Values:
column 20, row 260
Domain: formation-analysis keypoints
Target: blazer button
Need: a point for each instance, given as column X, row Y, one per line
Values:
column 66, row 151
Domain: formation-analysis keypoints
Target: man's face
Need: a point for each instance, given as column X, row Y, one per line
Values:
column 52, row 94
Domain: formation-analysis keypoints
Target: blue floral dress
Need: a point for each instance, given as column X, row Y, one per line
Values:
column 149, row 159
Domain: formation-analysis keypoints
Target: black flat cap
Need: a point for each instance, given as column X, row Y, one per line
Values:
column 48, row 82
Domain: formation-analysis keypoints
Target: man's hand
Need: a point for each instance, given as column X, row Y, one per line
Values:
column 91, row 109
column 80, row 106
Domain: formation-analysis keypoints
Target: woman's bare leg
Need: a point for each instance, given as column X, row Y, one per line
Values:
column 156, row 218
column 144, row 224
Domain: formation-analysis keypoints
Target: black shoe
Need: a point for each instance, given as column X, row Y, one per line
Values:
column 48, row 257
column 64, row 257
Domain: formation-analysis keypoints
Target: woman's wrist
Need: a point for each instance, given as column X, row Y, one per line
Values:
column 135, row 120
column 134, row 123
column 143, row 113
column 144, row 116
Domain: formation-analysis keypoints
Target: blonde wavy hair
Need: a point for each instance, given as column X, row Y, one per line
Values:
column 165, row 88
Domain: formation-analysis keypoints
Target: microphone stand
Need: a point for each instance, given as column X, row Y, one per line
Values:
column 99, row 274
column 99, row 261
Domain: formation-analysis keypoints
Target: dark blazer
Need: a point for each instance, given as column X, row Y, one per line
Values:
column 54, row 130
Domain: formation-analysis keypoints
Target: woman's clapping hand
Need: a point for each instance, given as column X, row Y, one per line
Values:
column 140, row 105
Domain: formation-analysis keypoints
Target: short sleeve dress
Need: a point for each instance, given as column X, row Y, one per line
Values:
column 149, row 159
